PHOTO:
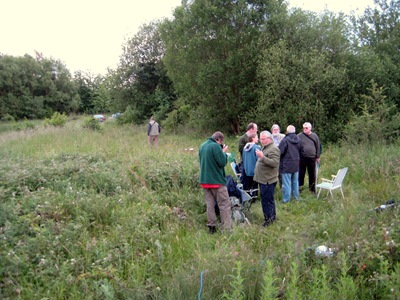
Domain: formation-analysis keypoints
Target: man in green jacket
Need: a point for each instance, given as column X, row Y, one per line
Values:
column 213, row 159
column 266, row 174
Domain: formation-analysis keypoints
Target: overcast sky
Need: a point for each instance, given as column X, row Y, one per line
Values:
column 88, row 35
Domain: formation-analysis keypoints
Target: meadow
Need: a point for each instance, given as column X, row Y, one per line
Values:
column 101, row 215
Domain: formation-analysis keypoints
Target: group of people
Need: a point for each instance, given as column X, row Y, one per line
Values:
column 283, row 158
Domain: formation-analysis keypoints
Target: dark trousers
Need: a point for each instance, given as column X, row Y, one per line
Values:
column 249, row 183
column 307, row 164
column 268, row 202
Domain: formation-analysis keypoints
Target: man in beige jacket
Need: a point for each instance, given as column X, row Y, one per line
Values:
column 266, row 174
column 153, row 130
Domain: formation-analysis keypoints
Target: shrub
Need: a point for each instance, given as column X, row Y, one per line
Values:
column 130, row 116
column 25, row 125
column 92, row 123
column 377, row 123
column 8, row 118
column 56, row 119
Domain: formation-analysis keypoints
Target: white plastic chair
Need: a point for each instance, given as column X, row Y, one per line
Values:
column 334, row 183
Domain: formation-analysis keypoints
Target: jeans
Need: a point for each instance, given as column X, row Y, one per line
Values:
column 268, row 202
column 290, row 186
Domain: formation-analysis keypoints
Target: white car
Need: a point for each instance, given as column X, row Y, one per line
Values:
column 100, row 118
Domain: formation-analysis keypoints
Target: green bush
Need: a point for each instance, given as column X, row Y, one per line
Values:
column 130, row 116
column 56, row 119
column 92, row 123
column 25, row 125
column 8, row 118
column 378, row 122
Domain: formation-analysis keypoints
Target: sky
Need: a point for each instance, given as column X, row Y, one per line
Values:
column 88, row 35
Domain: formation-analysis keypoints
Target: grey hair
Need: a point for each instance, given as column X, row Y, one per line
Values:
column 275, row 126
column 307, row 124
column 266, row 133
column 218, row 136
column 291, row 129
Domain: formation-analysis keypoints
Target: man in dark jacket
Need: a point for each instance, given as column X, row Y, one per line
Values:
column 310, row 156
column 290, row 148
column 213, row 159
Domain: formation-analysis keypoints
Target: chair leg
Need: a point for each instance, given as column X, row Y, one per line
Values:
column 342, row 192
column 319, row 191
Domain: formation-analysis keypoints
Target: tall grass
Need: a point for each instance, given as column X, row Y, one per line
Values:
column 101, row 215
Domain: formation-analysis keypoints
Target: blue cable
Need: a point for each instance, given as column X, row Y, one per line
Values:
column 201, row 285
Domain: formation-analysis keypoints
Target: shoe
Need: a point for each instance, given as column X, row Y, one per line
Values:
column 269, row 222
column 212, row 230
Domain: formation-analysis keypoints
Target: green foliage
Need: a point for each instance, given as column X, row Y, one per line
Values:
column 32, row 87
column 130, row 116
column 105, row 216
column 24, row 125
column 56, row 119
column 92, row 124
column 301, row 75
column 101, row 99
column 212, row 54
column 269, row 288
column 8, row 118
column 379, row 122
column 141, row 81
column 236, row 285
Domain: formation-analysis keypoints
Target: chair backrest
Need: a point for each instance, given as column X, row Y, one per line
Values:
column 235, row 169
column 339, row 178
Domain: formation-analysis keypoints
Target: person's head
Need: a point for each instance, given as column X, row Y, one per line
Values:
column 251, row 128
column 265, row 137
column 253, row 138
column 151, row 118
column 218, row 136
column 307, row 128
column 275, row 129
column 290, row 129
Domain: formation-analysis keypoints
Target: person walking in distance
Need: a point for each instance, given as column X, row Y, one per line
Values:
column 213, row 159
column 153, row 131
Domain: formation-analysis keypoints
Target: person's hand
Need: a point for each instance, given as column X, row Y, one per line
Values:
column 259, row 153
column 317, row 160
column 225, row 148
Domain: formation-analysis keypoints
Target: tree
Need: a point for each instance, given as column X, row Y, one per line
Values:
column 378, row 33
column 141, row 76
column 211, row 56
column 35, row 88
column 303, row 75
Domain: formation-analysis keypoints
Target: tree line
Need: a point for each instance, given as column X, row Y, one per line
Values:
column 220, row 64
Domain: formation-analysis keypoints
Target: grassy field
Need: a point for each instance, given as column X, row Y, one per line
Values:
column 101, row 215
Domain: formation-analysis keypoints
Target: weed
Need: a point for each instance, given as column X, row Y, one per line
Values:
column 101, row 215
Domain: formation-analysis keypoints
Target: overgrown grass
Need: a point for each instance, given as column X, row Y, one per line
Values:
column 101, row 215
